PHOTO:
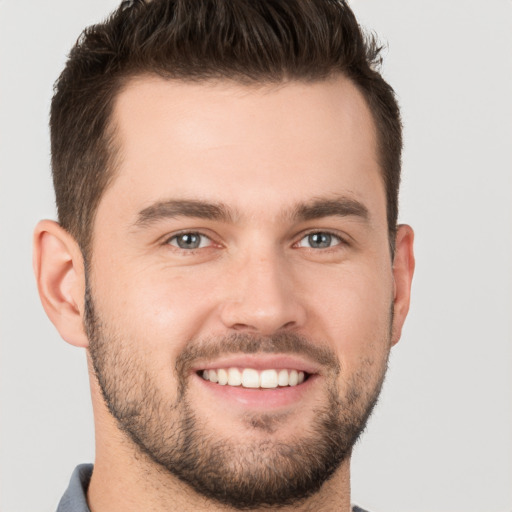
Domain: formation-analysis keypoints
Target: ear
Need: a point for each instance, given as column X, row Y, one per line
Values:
column 59, row 269
column 403, row 270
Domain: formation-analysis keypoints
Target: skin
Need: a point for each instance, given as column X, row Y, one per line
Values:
column 261, row 152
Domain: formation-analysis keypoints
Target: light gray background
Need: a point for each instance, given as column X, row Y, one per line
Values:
column 440, row 440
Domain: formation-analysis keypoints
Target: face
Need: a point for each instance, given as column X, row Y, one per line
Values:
column 240, row 288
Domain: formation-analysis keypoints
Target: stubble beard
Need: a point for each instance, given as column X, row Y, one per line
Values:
column 244, row 476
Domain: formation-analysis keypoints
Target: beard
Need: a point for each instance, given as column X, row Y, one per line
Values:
column 246, row 475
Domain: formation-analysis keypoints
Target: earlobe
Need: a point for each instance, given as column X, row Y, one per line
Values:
column 403, row 270
column 59, row 270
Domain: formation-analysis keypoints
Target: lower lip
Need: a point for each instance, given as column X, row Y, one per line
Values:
column 260, row 398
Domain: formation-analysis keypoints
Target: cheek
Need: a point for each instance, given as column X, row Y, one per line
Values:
column 355, row 314
column 157, row 310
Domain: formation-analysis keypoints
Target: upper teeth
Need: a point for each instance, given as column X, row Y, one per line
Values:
column 251, row 378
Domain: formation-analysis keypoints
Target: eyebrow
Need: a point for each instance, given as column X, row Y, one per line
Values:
column 184, row 208
column 339, row 207
column 315, row 209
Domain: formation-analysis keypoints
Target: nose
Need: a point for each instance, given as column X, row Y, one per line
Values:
column 263, row 297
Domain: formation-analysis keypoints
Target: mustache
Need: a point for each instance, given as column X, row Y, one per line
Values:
column 245, row 343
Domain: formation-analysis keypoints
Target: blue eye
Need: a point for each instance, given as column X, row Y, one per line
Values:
column 319, row 240
column 190, row 241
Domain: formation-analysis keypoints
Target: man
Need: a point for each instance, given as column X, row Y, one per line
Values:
column 226, row 175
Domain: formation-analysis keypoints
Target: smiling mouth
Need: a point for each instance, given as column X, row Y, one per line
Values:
column 254, row 379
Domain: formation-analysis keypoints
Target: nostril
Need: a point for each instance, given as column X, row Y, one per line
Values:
column 243, row 327
column 251, row 328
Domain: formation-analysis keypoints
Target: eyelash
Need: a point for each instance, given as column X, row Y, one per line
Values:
column 341, row 241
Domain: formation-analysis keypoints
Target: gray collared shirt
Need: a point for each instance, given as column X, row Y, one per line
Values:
column 74, row 499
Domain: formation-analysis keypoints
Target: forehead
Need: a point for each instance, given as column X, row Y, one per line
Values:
column 242, row 145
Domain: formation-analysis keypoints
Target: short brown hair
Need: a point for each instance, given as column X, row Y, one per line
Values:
column 249, row 41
